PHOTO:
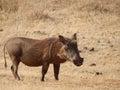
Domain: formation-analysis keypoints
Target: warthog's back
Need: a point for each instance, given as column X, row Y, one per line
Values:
column 20, row 42
column 19, row 45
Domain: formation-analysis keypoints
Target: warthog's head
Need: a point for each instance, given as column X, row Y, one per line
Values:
column 69, row 50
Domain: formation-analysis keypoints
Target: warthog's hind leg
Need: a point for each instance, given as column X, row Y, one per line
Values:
column 14, row 67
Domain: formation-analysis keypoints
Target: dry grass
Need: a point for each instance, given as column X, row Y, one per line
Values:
column 97, row 24
column 41, row 9
column 9, row 5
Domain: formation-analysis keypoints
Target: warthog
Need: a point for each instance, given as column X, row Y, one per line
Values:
column 33, row 52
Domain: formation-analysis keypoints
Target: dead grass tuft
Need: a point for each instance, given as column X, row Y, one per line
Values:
column 9, row 5
column 39, row 15
column 99, row 6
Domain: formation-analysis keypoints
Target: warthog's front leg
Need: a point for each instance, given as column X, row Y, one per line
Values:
column 44, row 70
column 56, row 70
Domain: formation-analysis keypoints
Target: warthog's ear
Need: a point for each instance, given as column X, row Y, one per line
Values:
column 62, row 39
column 74, row 37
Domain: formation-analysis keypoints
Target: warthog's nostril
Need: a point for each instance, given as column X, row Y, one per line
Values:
column 82, row 59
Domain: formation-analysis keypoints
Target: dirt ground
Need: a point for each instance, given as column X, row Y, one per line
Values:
column 98, row 36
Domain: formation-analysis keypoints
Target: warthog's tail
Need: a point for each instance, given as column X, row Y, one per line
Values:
column 5, row 56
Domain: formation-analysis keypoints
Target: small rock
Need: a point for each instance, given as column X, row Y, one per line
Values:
column 92, row 49
column 85, row 48
column 40, row 32
column 83, row 37
column 108, row 42
column 111, row 45
column 98, row 73
column 1, row 30
column 93, row 64
column 98, row 41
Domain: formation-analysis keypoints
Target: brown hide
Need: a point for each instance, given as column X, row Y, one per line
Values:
column 43, row 51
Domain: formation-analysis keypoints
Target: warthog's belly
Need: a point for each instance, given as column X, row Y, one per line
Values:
column 31, row 59
column 32, row 62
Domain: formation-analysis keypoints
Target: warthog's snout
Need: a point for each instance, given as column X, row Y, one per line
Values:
column 79, row 62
